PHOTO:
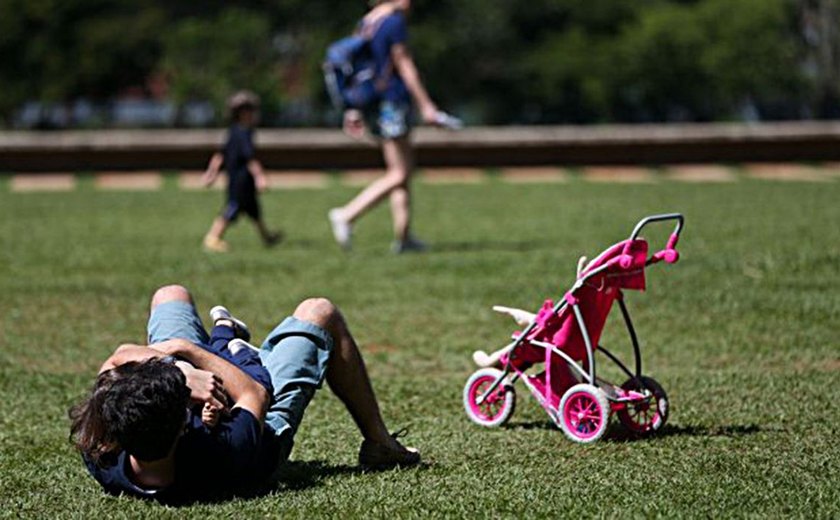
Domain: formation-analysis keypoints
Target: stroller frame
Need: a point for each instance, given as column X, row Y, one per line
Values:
column 617, row 400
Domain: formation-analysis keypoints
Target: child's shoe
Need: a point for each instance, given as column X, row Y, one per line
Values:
column 215, row 244
column 240, row 329
column 236, row 345
column 272, row 239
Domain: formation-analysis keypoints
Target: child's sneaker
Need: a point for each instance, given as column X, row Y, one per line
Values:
column 378, row 456
column 236, row 345
column 342, row 230
column 221, row 313
column 409, row 245
column 215, row 244
column 272, row 239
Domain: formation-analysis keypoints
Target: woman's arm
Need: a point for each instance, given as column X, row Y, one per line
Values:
column 404, row 65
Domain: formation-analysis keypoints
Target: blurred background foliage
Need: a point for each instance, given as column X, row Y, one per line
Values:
column 491, row 62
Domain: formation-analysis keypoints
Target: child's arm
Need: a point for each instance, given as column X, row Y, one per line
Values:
column 256, row 169
column 213, row 167
column 210, row 415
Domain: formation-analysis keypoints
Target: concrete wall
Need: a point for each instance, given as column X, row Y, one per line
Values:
column 321, row 149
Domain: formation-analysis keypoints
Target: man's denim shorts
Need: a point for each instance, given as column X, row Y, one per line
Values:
column 295, row 354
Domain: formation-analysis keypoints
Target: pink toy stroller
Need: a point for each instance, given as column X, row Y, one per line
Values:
column 564, row 337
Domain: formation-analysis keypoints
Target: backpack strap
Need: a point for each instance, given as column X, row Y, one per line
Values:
column 368, row 32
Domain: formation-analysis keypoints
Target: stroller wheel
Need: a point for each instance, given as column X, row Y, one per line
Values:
column 499, row 405
column 645, row 416
column 584, row 413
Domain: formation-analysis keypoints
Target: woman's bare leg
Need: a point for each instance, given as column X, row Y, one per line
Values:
column 398, row 162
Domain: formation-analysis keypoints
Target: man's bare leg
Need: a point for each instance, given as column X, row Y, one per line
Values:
column 348, row 377
column 171, row 293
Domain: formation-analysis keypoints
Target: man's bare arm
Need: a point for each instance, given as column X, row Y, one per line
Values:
column 128, row 352
column 204, row 385
column 242, row 389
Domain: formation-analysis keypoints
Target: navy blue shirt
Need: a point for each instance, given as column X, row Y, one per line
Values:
column 392, row 30
column 238, row 151
column 234, row 457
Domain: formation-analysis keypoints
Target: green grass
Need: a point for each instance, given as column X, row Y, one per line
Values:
column 742, row 333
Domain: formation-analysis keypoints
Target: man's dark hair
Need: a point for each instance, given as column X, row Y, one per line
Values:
column 137, row 407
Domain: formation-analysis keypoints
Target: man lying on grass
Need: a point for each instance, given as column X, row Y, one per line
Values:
column 138, row 435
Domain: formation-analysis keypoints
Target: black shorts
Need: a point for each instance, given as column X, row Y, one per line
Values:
column 244, row 201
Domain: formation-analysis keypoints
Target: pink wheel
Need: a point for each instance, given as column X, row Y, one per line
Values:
column 499, row 405
column 584, row 413
column 647, row 415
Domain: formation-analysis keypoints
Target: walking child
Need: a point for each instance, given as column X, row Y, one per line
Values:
column 245, row 174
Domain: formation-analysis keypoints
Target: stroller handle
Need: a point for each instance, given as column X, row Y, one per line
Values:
column 670, row 253
column 659, row 218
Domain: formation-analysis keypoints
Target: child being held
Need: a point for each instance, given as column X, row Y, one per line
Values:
column 229, row 340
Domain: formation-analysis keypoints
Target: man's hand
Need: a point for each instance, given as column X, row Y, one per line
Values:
column 205, row 387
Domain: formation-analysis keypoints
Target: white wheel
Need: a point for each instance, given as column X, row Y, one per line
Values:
column 499, row 405
column 584, row 413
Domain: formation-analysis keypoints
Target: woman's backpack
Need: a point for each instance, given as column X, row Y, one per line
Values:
column 350, row 70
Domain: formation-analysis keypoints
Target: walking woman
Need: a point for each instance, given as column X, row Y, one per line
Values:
column 389, row 120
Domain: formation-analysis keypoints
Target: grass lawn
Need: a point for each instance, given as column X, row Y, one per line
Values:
column 742, row 333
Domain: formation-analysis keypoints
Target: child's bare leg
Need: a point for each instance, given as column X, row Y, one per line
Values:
column 268, row 237
column 218, row 228
column 213, row 239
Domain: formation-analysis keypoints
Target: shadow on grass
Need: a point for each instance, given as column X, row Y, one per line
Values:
column 616, row 433
column 498, row 246
column 299, row 244
column 290, row 476
column 299, row 475
column 692, row 430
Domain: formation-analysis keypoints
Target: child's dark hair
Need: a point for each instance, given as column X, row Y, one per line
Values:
column 241, row 101
column 137, row 407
